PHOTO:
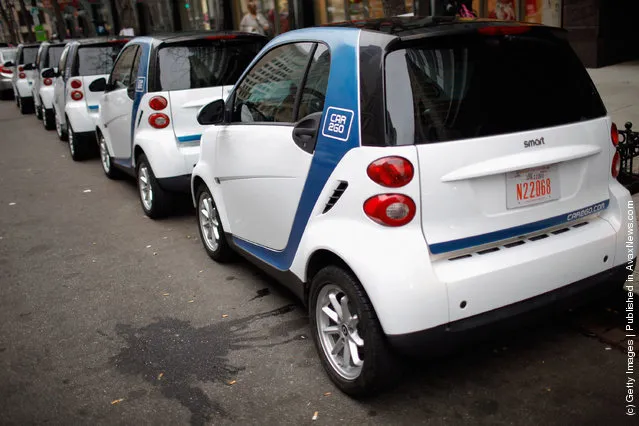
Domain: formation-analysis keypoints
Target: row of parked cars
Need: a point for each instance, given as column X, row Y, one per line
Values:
column 384, row 170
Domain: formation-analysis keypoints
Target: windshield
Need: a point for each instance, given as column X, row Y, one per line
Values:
column 8, row 55
column 53, row 56
column 96, row 60
column 29, row 55
column 472, row 86
column 196, row 66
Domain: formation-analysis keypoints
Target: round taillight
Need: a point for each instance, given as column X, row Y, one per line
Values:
column 76, row 95
column 20, row 68
column 614, row 134
column 22, row 75
column 76, row 84
column 159, row 120
column 390, row 209
column 391, row 172
column 158, row 103
column 48, row 82
column 616, row 165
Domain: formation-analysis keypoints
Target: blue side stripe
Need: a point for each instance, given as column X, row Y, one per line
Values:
column 189, row 138
column 93, row 106
column 516, row 231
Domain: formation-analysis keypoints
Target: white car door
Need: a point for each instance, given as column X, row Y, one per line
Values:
column 117, row 104
column 261, row 168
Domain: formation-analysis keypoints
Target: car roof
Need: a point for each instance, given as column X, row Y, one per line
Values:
column 28, row 45
column 99, row 40
column 196, row 35
column 404, row 26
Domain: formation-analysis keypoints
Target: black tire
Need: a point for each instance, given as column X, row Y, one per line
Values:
column 379, row 371
column 223, row 253
column 7, row 95
column 161, row 200
column 77, row 149
column 106, row 161
column 48, row 118
column 26, row 107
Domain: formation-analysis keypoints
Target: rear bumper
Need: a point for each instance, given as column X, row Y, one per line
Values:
column 445, row 337
column 24, row 88
column 176, row 184
column 46, row 95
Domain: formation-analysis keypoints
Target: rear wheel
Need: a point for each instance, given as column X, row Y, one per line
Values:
column 347, row 334
column 25, row 106
column 210, row 227
column 155, row 201
column 48, row 118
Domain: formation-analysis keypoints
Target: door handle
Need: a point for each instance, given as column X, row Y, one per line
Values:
column 305, row 132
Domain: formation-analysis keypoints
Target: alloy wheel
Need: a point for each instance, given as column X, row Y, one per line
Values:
column 144, row 183
column 104, row 155
column 209, row 222
column 71, row 145
column 337, row 328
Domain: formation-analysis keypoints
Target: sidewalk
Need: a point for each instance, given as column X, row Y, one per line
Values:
column 618, row 85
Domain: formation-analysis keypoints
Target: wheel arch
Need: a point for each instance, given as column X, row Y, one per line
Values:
column 318, row 260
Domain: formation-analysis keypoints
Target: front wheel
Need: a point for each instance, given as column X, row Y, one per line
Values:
column 347, row 334
column 38, row 110
column 76, row 148
column 62, row 135
column 155, row 200
column 106, row 160
column 210, row 227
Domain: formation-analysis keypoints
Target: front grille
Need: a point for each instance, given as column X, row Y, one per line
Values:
column 521, row 241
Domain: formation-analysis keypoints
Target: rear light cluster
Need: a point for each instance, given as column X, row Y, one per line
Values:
column 158, row 120
column 390, row 209
column 47, row 82
column 22, row 75
column 6, row 70
column 616, row 159
column 76, row 94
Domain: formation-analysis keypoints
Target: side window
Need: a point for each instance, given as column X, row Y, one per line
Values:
column 63, row 62
column 19, row 56
column 39, row 57
column 267, row 93
column 316, row 84
column 121, row 74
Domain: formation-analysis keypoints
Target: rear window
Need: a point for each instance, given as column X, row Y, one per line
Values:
column 470, row 86
column 196, row 66
column 8, row 55
column 29, row 55
column 53, row 56
column 95, row 60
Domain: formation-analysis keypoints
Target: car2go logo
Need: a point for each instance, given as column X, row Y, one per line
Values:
column 337, row 124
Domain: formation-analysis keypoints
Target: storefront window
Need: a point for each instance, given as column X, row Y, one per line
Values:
column 502, row 9
column 155, row 16
column 547, row 12
column 194, row 14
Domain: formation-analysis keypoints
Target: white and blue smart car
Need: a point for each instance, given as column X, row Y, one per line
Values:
column 78, row 87
column 147, row 125
column 42, row 89
column 414, row 181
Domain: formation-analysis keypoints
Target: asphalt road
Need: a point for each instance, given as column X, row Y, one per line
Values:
column 107, row 317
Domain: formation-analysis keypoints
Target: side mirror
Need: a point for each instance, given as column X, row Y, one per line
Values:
column 29, row 67
column 212, row 113
column 48, row 73
column 98, row 85
column 9, row 64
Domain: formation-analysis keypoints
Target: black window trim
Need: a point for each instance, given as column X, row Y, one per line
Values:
column 137, row 48
column 231, row 98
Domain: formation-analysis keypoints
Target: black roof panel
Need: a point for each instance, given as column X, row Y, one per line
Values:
column 195, row 35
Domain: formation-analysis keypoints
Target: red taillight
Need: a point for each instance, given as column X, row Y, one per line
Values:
column 22, row 75
column 20, row 68
column 6, row 70
column 390, row 209
column 158, row 103
column 47, row 82
column 220, row 37
column 76, row 84
column 76, row 95
column 616, row 165
column 503, row 30
column 614, row 135
column 392, row 172
column 159, row 120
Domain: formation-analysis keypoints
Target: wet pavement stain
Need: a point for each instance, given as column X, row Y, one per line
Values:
column 261, row 293
column 175, row 356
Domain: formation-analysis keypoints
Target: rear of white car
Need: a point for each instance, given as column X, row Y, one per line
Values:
column 8, row 56
column 185, row 76
column 43, row 85
column 500, row 153
column 23, row 77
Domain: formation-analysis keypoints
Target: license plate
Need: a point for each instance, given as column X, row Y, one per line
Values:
column 532, row 186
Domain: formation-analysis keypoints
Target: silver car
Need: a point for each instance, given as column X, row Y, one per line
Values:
column 7, row 68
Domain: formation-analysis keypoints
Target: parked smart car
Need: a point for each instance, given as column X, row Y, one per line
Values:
column 22, row 78
column 147, row 123
column 418, row 181
column 46, row 68
column 7, row 67
column 75, row 97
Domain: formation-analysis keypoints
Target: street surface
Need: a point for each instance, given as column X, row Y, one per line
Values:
column 108, row 317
